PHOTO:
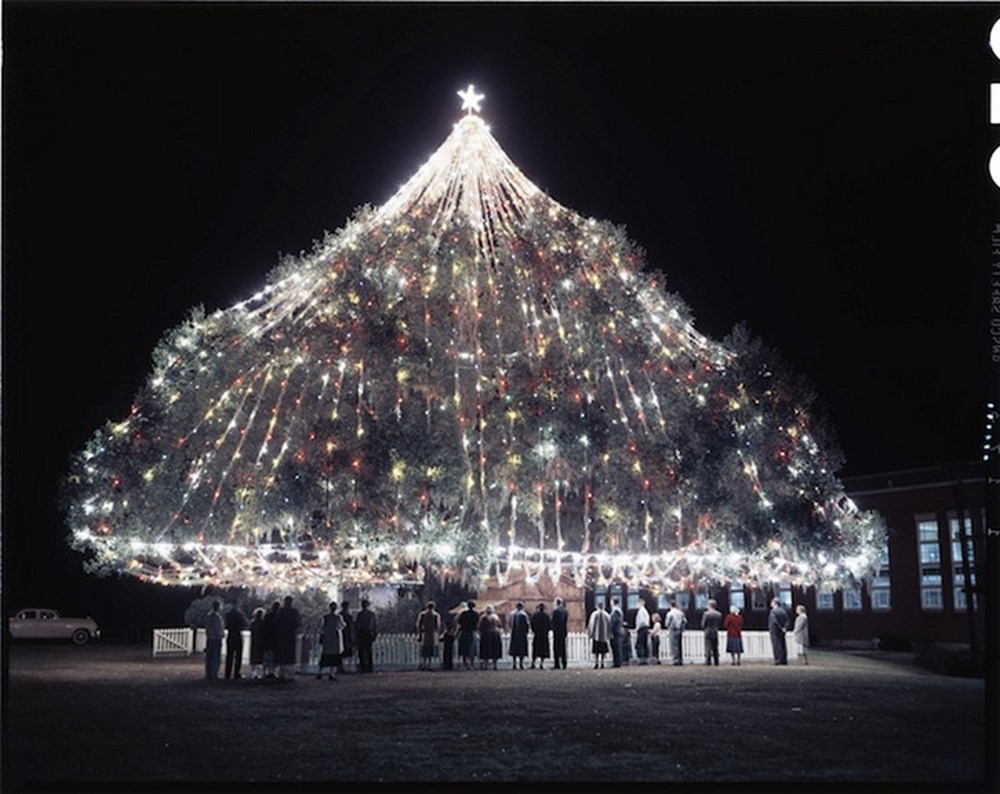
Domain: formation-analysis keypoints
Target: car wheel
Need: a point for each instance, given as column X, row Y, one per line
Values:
column 81, row 636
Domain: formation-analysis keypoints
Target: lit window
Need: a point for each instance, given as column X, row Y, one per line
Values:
column 683, row 600
column 881, row 584
column 758, row 598
column 785, row 596
column 700, row 600
column 930, row 598
column 930, row 562
column 852, row 599
column 824, row 599
column 632, row 601
column 882, row 599
column 960, row 601
column 958, row 571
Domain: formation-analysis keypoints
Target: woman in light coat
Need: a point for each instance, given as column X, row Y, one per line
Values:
column 800, row 632
column 599, row 633
column 332, row 640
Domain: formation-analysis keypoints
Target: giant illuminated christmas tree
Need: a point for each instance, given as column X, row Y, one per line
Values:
column 475, row 378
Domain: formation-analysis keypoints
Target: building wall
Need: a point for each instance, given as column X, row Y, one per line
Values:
column 902, row 498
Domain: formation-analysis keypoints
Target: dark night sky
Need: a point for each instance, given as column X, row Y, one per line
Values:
column 816, row 171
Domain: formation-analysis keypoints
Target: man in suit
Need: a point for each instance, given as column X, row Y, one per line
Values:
column 711, row 623
column 236, row 623
column 617, row 632
column 777, row 624
column 560, row 628
column 365, row 630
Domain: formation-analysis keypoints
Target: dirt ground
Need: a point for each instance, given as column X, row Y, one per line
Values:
column 110, row 717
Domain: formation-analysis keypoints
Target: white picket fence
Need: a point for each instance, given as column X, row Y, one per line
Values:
column 170, row 642
column 394, row 651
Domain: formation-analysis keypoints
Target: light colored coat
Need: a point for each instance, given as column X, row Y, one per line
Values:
column 215, row 628
column 801, row 631
column 599, row 626
column 333, row 634
column 676, row 620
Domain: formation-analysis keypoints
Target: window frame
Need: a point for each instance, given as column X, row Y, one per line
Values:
column 959, row 595
column 930, row 566
column 880, row 586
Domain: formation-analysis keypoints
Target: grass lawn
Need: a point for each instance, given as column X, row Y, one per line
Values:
column 111, row 716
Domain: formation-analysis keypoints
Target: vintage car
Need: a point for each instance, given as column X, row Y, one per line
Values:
column 48, row 624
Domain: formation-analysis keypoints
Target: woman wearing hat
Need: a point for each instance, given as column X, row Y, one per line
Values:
column 733, row 624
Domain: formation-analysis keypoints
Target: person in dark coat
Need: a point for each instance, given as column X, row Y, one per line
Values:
column 215, row 629
column 711, row 624
column 236, row 623
column 428, row 628
column 448, row 641
column 350, row 641
column 468, row 625
column 777, row 625
column 560, row 629
column 365, row 630
column 617, row 632
column 490, row 640
column 625, row 643
column 541, row 624
column 270, row 639
column 519, row 625
column 257, row 643
column 287, row 631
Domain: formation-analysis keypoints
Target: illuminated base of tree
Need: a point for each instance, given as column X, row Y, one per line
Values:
column 299, row 567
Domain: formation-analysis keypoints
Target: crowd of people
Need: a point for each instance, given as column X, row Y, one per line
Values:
column 479, row 637
column 273, row 635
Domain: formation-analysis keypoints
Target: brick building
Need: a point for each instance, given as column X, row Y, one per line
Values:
column 920, row 593
column 927, row 588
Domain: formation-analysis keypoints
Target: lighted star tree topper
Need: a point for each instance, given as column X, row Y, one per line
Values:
column 473, row 378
